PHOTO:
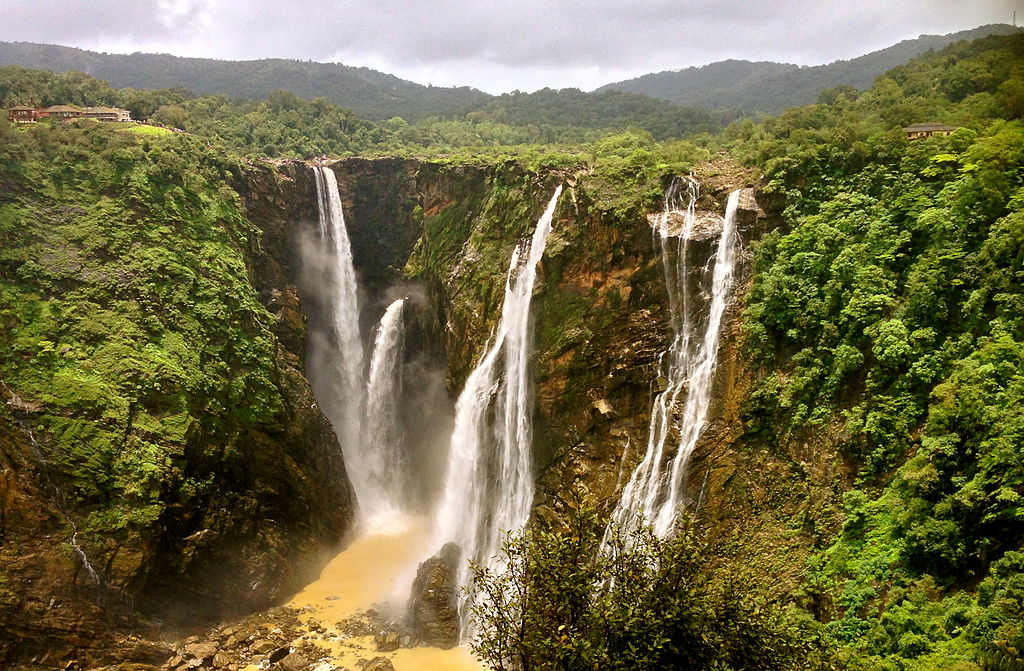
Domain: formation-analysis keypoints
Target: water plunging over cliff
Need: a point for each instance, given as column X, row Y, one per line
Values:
column 678, row 415
column 488, row 488
column 382, row 435
column 346, row 363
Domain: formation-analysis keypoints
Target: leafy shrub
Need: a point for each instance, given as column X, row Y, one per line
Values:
column 568, row 601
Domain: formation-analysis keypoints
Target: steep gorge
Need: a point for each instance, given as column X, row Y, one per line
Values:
column 600, row 307
column 442, row 234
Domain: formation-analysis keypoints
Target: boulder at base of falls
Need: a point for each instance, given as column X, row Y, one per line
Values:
column 433, row 607
column 375, row 664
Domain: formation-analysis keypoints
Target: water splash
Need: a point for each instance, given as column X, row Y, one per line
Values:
column 679, row 413
column 488, row 488
column 384, row 460
column 343, row 293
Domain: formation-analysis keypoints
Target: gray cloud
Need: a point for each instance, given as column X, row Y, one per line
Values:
column 498, row 46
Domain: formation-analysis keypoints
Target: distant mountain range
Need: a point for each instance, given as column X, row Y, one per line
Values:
column 742, row 86
column 369, row 93
column 773, row 87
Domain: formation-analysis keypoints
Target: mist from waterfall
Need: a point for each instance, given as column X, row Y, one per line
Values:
column 488, row 489
column 384, row 461
column 679, row 413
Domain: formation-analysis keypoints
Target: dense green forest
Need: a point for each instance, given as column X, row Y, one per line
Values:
column 888, row 303
column 125, row 293
column 284, row 125
column 893, row 300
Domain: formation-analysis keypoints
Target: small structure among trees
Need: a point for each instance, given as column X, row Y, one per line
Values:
column 918, row 131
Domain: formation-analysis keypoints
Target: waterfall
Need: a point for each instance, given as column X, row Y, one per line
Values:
column 655, row 489
column 347, row 359
column 382, row 439
column 488, row 488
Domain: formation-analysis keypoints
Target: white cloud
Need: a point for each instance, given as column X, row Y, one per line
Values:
column 495, row 46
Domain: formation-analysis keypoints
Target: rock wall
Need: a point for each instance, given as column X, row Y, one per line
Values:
column 245, row 511
column 600, row 309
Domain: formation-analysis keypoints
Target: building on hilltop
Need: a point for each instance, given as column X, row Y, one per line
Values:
column 917, row 131
column 60, row 112
column 26, row 114
column 106, row 114
column 22, row 114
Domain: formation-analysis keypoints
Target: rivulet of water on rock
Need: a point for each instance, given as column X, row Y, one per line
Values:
column 488, row 488
column 343, row 305
column 382, row 436
column 655, row 490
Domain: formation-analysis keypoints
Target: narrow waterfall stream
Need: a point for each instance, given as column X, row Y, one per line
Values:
column 343, row 378
column 655, row 490
column 382, row 432
column 488, row 488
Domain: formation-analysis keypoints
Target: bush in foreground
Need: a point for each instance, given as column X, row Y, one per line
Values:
column 638, row 602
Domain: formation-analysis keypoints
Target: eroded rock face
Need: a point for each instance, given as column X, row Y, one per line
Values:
column 433, row 606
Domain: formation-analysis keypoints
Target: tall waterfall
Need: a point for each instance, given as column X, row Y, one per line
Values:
column 679, row 413
column 347, row 364
column 488, row 487
column 382, row 439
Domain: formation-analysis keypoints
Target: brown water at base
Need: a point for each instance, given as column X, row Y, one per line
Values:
column 375, row 571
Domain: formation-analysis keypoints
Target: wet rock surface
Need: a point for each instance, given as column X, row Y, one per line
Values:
column 433, row 606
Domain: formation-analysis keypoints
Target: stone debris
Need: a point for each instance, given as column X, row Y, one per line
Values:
column 375, row 664
column 265, row 640
column 387, row 641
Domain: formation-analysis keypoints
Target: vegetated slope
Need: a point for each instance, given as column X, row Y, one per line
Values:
column 610, row 110
column 160, row 415
column 370, row 94
column 887, row 316
column 772, row 87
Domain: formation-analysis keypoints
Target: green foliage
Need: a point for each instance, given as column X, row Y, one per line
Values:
column 893, row 300
column 373, row 95
column 550, row 108
column 126, row 312
column 565, row 602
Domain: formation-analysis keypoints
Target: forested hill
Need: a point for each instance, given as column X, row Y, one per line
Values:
column 368, row 93
column 773, row 87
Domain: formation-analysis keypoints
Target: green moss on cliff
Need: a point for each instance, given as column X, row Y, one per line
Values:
column 130, row 328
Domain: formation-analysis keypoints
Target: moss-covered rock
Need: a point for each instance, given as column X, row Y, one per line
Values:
column 173, row 428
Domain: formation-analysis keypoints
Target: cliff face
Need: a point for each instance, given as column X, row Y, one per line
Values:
column 601, row 324
column 249, row 507
column 161, row 451
column 601, row 317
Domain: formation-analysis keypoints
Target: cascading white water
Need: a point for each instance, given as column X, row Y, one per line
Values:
column 342, row 292
column 382, row 439
column 488, row 488
column 655, row 489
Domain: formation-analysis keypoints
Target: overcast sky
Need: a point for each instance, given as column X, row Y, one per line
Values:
column 498, row 46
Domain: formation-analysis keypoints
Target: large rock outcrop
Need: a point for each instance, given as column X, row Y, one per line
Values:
column 433, row 604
